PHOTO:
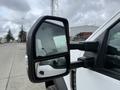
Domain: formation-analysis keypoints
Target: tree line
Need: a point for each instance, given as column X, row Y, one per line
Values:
column 21, row 36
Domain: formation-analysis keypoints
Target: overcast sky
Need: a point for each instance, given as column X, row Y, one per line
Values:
column 13, row 13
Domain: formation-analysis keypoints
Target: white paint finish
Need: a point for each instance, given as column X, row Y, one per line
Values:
column 90, row 80
column 75, row 54
column 67, row 81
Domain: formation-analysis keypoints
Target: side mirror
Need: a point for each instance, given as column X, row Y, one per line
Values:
column 47, row 49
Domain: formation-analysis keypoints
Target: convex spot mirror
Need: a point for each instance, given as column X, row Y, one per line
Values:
column 48, row 49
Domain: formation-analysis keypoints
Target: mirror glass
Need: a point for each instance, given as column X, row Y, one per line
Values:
column 51, row 39
column 50, row 67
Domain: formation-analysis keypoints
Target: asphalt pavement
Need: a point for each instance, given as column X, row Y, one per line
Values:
column 13, row 75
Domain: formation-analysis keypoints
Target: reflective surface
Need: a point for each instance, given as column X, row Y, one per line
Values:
column 50, row 40
column 114, row 40
column 50, row 67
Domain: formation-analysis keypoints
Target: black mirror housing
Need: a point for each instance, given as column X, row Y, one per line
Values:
column 33, row 58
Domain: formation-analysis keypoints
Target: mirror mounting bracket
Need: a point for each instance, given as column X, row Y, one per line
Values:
column 83, row 62
column 86, row 46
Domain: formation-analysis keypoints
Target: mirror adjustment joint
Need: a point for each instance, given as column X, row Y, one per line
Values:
column 76, row 64
column 87, row 61
column 86, row 46
column 83, row 62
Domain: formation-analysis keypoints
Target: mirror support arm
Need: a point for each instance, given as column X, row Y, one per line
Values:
column 86, row 46
column 83, row 62
column 76, row 64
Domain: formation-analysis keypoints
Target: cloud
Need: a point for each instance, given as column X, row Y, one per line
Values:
column 2, row 22
column 81, row 12
column 13, row 13
column 17, row 5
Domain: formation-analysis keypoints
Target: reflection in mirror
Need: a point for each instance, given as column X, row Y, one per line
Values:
column 50, row 39
column 50, row 67
column 113, row 48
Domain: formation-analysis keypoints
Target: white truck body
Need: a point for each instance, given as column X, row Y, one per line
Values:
column 90, row 80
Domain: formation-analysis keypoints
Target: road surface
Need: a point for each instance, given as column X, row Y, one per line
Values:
column 13, row 74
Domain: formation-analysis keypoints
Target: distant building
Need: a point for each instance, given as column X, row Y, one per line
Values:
column 80, row 33
column 82, row 36
column 77, row 29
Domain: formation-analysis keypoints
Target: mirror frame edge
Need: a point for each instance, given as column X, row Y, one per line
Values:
column 31, row 48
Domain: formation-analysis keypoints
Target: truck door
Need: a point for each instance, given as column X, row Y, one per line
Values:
column 107, row 75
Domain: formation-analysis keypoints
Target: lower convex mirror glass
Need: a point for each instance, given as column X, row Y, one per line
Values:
column 50, row 67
